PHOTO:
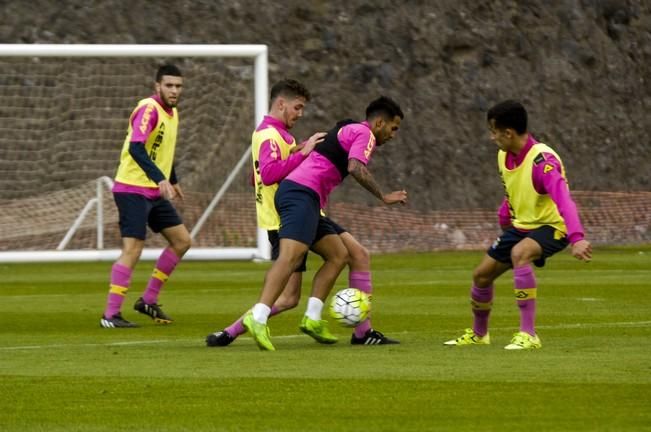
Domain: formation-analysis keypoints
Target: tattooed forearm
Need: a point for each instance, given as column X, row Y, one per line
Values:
column 364, row 177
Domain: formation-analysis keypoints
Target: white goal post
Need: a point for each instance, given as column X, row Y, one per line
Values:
column 257, row 52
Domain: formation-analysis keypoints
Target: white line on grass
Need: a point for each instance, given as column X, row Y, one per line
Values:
column 161, row 341
column 126, row 343
column 586, row 325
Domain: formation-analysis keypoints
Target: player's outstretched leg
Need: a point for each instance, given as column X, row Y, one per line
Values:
column 225, row 337
column 228, row 335
column 288, row 300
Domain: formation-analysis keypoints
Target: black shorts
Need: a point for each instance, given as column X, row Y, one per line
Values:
column 549, row 238
column 298, row 207
column 272, row 235
column 326, row 226
column 137, row 212
column 333, row 227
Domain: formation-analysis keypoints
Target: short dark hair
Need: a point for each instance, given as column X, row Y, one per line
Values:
column 167, row 69
column 509, row 114
column 384, row 106
column 289, row 88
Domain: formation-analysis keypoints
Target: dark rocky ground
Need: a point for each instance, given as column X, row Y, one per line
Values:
column 582, row 67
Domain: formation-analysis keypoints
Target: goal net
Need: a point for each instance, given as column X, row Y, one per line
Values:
column 609, row 218
column 64, row 118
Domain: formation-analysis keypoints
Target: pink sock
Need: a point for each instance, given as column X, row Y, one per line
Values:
column 525, row 292
column 237, row 328
column 120, row 281
column 165, row 265
column 481, row 301
column 361, row 281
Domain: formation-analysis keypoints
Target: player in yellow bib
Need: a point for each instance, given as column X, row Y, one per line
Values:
column 539, row 219
column 145, row 183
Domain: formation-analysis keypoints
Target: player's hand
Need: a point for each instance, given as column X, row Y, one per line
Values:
column 309, row 145
column 395, row 197
column 167, row 191
column 582, row 250
column 179, row 191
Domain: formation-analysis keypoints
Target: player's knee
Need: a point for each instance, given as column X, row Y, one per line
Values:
column 520, row 257
column 359, row 256
column 181, row 245
column 480, row 278
column 289, row 259
column 131, row 253
column 341, row 257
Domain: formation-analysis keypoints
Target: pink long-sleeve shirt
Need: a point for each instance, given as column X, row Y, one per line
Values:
column 551, row 183
column 272, row 167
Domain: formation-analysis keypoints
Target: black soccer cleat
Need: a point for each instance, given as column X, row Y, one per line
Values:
column 373, row 337
column 153, row 311
column 220, row 338
column 116, row 321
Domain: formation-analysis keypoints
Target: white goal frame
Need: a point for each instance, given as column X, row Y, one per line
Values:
column 261, row 83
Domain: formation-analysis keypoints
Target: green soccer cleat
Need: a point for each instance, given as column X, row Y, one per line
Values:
column 523, row 341
column 318, row 329
column 469, row 338
column 259, row 331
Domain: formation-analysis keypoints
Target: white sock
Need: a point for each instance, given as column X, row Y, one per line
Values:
column 314, row 308
column 261, row 312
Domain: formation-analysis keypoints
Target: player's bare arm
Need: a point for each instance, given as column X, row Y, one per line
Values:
column 364, row 177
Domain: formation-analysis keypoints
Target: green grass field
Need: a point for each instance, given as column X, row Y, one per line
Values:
column 60, row 372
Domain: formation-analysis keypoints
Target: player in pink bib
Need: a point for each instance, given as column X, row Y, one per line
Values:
column 346, row 149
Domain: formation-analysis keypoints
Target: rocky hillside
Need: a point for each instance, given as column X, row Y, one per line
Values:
column 582, row 67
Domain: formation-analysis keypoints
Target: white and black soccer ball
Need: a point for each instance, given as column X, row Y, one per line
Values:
column 350, row 306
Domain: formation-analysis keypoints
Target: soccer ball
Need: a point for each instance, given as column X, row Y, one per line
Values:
column 350, row 307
